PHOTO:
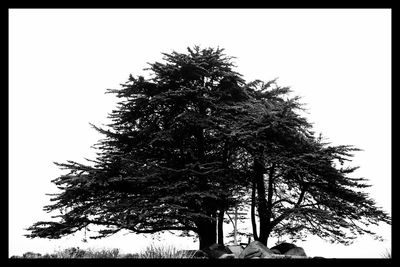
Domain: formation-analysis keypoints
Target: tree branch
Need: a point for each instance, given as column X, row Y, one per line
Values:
column 283, row 200
column 153, row 230
column 296, row 207
column 302, row 193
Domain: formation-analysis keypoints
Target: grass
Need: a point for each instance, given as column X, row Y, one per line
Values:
column 156, row 252
column 150, row 252
column 387, row 254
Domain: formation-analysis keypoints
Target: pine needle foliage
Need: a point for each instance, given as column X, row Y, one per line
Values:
column 192, row 142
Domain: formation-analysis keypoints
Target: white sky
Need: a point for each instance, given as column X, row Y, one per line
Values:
column 62, row 60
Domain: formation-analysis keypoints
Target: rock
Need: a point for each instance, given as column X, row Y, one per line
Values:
column 199, row 254
column 318, row 257
column 297, row 251
column 253, row 252
column 256, row 249
column 274, row 250
column 227, row 256
column 236, row 249
column 282, row 248
column 296, row 257
column 279, row 256
column 215, row 251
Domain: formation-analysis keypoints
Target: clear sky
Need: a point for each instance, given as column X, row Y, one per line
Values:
column 61, row 61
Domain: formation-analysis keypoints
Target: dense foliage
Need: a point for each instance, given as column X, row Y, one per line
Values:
column 195, row 140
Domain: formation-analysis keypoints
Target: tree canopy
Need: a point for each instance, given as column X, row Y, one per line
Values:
column 303, row 185
column 195, row 140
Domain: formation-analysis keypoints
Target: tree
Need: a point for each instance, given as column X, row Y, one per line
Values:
column 194, row 141
column 301, row 183
column 167, row 160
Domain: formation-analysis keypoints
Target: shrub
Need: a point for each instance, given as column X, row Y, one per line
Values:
column 154, row 252
column 104, row 253
column 71, row 253
column 31, row 255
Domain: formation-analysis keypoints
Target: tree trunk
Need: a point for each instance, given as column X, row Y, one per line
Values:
column 207, row 232
column 225, row 160
column 266, row 236
column 221, row 226
column 253, row 207
column 270, row 193
column 207, row 228
column 259, row 170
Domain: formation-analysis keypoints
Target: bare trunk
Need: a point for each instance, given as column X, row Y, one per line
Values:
column 221, row 226
column 259, row 170
column 253, row 207
column 207, row 233
column 207, row 228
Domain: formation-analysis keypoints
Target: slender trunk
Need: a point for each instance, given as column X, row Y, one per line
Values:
column 269, row 226
column 235, row 228
column 221, row 226
column 221, row 213
column 270, row 191
column 253, row 207
column 262, row 202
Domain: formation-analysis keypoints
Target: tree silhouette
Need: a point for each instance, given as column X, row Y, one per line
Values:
column 302, row 184
column 167, row 160
column 194, row 141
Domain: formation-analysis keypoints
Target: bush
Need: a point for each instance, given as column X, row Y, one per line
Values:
column 90, row 253
column 155, row 252
column 31, row 255
column 104, row 253
column 71, row 253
